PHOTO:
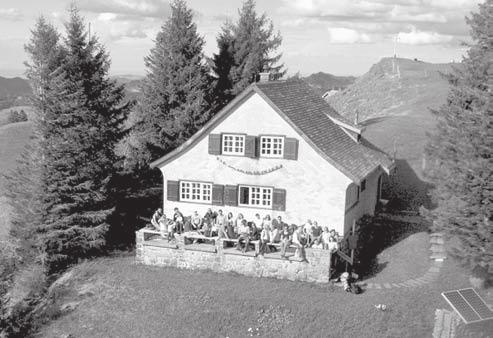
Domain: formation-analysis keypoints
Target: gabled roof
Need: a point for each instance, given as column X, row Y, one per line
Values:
column 316, row 122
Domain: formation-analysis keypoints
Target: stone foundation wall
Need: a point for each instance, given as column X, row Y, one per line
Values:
column 183, row 256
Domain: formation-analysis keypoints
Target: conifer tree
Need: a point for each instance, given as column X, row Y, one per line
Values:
column 84, row 118
column 177, row 91
column 460, row 149
column 25, row 185
column 245, row 50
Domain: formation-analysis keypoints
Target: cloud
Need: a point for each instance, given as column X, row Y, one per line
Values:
column 415, row 37
column 347, row 36
column 433, row 21
column 142, row 8
column 115, row 27
column 12, row 14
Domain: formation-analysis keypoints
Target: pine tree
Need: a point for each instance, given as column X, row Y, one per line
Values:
column 25, row 185
column 176, row 92
column 84, row 118
column 460, row 149
column 245, row 50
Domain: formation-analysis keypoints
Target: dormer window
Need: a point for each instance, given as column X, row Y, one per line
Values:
column 272, row 146
column 233, row 144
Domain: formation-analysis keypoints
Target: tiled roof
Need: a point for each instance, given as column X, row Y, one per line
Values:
column 310, row 114
column 314, row 119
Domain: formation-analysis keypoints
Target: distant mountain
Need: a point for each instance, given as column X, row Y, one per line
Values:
column 15, row 86
column 13, row 92
column 131, row 84
column 324, row 82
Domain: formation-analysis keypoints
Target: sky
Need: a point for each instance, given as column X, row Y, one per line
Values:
column 341, row 37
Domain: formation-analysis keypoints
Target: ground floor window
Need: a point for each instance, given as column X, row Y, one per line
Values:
column 255, row 196
column 195, row 191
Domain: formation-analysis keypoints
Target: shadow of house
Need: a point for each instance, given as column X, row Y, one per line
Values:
column 377, row 233
column 405, row 190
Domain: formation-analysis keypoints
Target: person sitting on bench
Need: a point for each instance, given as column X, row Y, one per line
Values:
column 244, row 236
column 264, row 240
column 196, row 221
column 286, row 238
column 156, row 217
column 178, row 219
column 300, row 240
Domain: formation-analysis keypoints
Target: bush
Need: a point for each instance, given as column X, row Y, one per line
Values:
column 17, row 116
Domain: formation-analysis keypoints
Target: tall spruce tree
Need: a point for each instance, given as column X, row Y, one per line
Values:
column 460, row 150
column 25, row 185
column 84, row 115
column 246, row 49
column 177, row 91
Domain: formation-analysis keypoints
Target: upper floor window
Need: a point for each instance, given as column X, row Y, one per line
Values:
column 363, row 185
column 255, row 196
column 195, row 191
column 233, row 144
column 271, row 146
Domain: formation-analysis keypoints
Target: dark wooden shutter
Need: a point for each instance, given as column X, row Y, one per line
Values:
column 290, row 148
column 173, row 190
column 250, row 146
column 215, row 144
column 218, row 194
column 279, row 199
column 231, row 195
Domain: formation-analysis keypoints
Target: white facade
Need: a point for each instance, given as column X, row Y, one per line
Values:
column 315, row 189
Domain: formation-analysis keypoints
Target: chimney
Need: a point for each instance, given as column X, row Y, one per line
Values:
column 264, row 77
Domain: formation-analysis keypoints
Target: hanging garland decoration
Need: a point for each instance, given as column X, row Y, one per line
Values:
column 248, row 172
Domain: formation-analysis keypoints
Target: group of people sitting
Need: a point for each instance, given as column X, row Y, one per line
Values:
column 268, row 231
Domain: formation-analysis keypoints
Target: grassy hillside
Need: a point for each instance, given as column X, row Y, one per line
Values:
column 393, row 101
column 323, row 82
column 394, row 87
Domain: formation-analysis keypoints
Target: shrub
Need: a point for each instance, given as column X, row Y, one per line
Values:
column 17, row 116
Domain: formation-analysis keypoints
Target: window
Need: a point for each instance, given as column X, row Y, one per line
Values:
column 233, row 144
column 195, row 192
column 363, row 185
column 271, row 146
column 255, row 196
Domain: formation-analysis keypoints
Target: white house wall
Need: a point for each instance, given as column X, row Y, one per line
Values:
column 366, row 203
column 314, row 188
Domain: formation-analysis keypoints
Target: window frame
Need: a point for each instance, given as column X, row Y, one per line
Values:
column 260, row 145
column 202, row 192
column 251, row 196
column 234, row 135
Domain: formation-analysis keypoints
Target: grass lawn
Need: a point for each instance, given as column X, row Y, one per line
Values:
column 121, row 299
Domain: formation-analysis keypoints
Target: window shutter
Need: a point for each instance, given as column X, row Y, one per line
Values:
column 215, row 144
column 250, row 146
column 231, row 195
column 217, row 194
column 279, row 199
column 290, row 148
column 173, row 190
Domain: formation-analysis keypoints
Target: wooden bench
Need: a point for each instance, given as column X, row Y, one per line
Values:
column 195, row 235
column 256, row 243
column 152, row 232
